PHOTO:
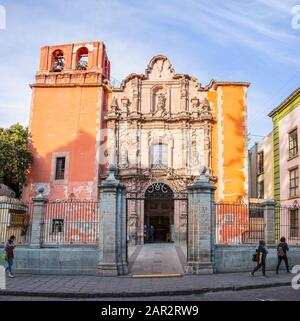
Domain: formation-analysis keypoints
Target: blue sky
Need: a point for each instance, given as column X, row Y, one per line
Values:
column 225, row 40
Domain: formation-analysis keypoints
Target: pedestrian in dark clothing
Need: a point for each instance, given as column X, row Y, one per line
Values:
column 261, row 258
column 151, row 233
column 9, row 250
column 282, row 250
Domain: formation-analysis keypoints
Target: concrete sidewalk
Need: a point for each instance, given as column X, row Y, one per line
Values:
column 108, row 287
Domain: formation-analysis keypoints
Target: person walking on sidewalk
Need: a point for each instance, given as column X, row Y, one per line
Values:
column 261, row 258
column 9, row 249
column 282, row 250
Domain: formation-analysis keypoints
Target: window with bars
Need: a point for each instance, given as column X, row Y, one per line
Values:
column 294, row 182
column 159, row 155
column 293, row 143
column 60, row 168
column 260, row 189
column 57, row 225
column 260, row 163
column 294, row 222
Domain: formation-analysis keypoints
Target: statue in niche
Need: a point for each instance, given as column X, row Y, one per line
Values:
column 114, row 105
column 161, row 104
column 183, row 89
column 205, row 108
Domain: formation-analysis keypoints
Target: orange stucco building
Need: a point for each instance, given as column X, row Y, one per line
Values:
column 157, row 127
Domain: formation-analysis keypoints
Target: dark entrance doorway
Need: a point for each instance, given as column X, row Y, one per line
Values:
column 159, row 213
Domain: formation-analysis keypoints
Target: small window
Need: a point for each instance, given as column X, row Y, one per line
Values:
column 229, row 218
column 159, row 155
column 82, row 58
column 294, row 222
column 294, row 182
column 293, row 143
column 58, row 61
column 260, row 163
column 256, row 211
column 57, row 225
column 60, row 168
column 260, row 190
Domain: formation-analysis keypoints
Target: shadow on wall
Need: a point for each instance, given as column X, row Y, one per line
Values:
column 239, row 131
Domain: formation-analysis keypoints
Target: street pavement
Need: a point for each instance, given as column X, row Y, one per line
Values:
column 285, row 293
column 93, row 286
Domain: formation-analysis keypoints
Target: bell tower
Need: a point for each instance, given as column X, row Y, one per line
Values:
column 69, row 97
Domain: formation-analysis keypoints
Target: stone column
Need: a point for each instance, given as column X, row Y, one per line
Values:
column 200, row 256
column 140, row 222
column 170, row 153
column 122, row 228
column 39, row 206
column 269, row 220
column 112, row 227
column 132, row 221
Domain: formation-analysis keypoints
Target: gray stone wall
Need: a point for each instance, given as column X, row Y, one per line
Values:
column 62, row 260
column 237, row 258
column 84, row 260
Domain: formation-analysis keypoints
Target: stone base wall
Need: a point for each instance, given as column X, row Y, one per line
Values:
column 84, row 260
column 237, row 258
column 62, row 260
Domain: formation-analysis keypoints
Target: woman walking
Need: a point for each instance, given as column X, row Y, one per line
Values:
column 282, row 250
column 9, row 249
column 261, row 258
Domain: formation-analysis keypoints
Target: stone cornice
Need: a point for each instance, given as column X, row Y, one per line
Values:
column 48, row 85
column 150, row 118
column 213, row 84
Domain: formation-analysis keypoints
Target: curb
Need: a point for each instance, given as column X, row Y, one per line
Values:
column 138, row 294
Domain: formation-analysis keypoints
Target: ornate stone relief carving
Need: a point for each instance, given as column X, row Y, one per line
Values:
column 205, row 109
column 183, row 88
column 195, row 153
column 123, row 148
column 160, row 104
column 114, row 108
column 195, row 106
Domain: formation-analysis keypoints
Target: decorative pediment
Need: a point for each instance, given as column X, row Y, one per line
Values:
column 160, row 68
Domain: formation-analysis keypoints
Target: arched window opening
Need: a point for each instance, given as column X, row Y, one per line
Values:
column 159, row 155
column 82, row 58
column 58, row 61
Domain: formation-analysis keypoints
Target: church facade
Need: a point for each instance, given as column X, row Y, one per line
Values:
column 158, row 128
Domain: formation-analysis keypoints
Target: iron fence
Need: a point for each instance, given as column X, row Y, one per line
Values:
column 288, row 223
column 15, row 219
column 71, row 222
column 77, row 222
column 239, row 223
